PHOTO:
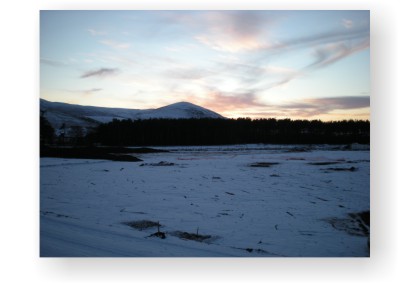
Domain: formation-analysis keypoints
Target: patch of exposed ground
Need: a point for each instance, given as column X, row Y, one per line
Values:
column 161, row 163
column 356, row 224
column 263, row 164
column 351, row 169
column 104, row 153
column 191, row 236
column 142, row 224
column 323, row 163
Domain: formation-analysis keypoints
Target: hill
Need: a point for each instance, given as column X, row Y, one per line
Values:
column 71, row 115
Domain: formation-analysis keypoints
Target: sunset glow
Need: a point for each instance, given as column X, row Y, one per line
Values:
column 282, row 64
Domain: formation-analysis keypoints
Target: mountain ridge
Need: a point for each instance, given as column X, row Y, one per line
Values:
column 71, row 115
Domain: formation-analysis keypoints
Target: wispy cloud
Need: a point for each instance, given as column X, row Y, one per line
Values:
column 224, row 60
column 324, row 55
column 86, row 91
column 102, row 72
column 94, row 32
column 348, row 24
column 243, row 102
column 226, row 31
column 235, row 31
column 332, row 36
column 331, row 53
column 320, row 106
column 275, row 70
column 190, row 73
column 222, row 101
column 51, row 62
column 228, row 43
column 115, row 44
column 340, row 103
column 306, row 114
column 326, row 48
column 89, row 91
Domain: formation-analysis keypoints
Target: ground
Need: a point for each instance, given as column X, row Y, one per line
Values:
column 244, row 200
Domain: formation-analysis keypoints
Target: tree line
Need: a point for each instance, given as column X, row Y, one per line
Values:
column 163, row 132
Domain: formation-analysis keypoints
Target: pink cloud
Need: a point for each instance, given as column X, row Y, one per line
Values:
column 234, row 31
column 221, row 102
column 247, row 104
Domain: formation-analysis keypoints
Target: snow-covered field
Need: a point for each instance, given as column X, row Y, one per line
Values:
column 299, row 206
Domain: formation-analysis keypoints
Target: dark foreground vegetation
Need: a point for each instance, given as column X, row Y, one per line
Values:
column 115, row 154
column 91, row 152
column 164, row 132
column 229, row 131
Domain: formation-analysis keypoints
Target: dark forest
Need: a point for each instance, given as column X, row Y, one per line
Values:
column 163, row 132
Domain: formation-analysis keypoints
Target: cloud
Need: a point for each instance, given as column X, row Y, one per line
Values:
column 228, row 31
column 114, row 44
column 321, row 106
column 251, row 75
column 94, row 32
column 235, row 31
column 278, row 70
column 306, row 115
column 243, row 102
column 340, row 103
column 242, row 68
column 102, row 72
column 187, row 73
column 52, row 62
column 222, row 101
column 92, row 90
column 86, row 91
column 326, row 48
column 333, row 36
column 324, row 56
column 329, row 54
column 227, row 43
column 348, row 24
column 283, row 81
column 264, row 77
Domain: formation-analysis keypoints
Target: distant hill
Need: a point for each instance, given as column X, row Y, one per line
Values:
column 70, row 115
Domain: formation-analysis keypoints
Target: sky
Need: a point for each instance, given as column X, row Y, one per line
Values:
column 257, row 64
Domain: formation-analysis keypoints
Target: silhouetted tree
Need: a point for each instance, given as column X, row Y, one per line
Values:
column 229, row 131
column 76, row 135
column 46, row 131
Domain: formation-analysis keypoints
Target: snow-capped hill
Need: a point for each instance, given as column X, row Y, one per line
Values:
column 180, row 110
column 70, row 115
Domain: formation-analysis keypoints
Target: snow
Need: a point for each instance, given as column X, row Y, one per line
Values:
column 180, row 110
column 90, row 116
column 281, row 210
column 105, row 119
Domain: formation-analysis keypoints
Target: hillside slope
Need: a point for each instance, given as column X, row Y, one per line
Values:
column 71, row 115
